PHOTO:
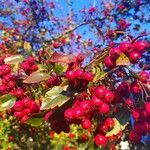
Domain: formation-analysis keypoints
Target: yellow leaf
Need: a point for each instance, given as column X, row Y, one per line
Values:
column 123, row 60
column 27, row 46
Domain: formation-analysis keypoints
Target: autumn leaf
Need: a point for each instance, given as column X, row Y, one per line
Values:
column 36, row 77
column 123, row 60
column 62, row 58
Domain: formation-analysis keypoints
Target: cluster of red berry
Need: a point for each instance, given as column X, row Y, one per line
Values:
column 7, row 79
column 53, row 81
column 24, row 108
column 132, row 50
column 142, row 123
column 78, row 79
column 29, row 65
column 84, row 110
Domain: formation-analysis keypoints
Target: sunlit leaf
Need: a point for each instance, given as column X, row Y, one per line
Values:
column 7, row 101
column 14, row 59
column 49, row 103
column 54, row 91
column 35, row 122
column 98, row 73
column 36, row 77
column 123, row 60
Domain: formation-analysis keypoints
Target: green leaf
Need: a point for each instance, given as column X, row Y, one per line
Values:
column 35, row 122
column 60, row 68
column 7, row 101
column 36, row 77
column 50, row 103
column 98, row 74
column 55, row 91
column 14, row 59
column 42, row 67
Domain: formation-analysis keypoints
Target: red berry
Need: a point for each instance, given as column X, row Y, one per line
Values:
column 69, row 113
column 134, row 57
column 78, row 113
column 96, row 102
column 11, row 138
column 30, row 60
column 26, row 102
column 135, row 88
column 18, row 106
column 34, row 108
column 115, row 53
column 56, row 44
column 147, row 108
column 103, row 129
column 70, row 75
column 123, row 88
column 88, row 76
column 84, row 137
column 25, row 66
column 7, row 78
column 109, row 96
column 134, row 137
column 129, row 102
column 6, row 69
column 86, row 124
column 19, row 93
column 100, row 91
column 126, row 47
column 109, row 63
column 104, row 109
column 140, row 46
column 79, row 73
column 3, row 89
column 11, row 84
column 100, row 140
column 85, row 106
column 24, row 118
column 141, row 128
column 34, row 67
column 144, row 76
column 109, row 122
column 19, row 114
column 80, row 58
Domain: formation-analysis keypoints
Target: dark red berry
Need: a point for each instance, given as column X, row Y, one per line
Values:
column 134, row 137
